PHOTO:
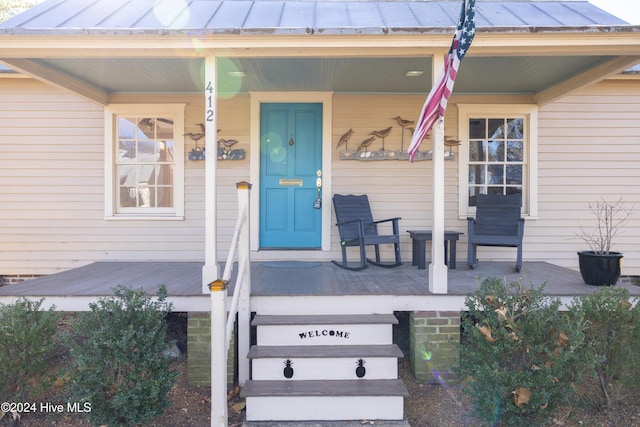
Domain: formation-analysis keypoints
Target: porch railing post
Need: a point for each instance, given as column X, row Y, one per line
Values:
column 244, row 308
column 218, row 295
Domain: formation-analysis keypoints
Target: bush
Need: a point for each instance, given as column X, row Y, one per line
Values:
column 26, row 340
column 612, row 340
column 517, row 354
column 117, row 361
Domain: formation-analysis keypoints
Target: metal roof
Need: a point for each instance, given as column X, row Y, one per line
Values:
column 166, row 59
column 298, row 16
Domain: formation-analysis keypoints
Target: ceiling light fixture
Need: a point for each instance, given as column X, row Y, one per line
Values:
column 414, row 73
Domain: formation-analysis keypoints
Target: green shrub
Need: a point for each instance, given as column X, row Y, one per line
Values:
column 612, row 339
column 117, row 361
column 517, row 354
column 26, row 340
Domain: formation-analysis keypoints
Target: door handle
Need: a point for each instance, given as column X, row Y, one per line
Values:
column 318, row 203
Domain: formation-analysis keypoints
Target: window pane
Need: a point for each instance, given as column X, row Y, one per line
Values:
column 495, row 174
column 165, row 197
column 473, row 194
column 496, row 128
column 515, row 151
column 492, row 191
column 477, row 129
column 126, row 151
column 127, row 128
column 477, row 151
column 476, row 174
column 514, row 190
column 514, row 174
column 515, row 128
column 496, row 151
column 147, row 151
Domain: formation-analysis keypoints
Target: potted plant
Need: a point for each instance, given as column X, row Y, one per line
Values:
column 600, row 266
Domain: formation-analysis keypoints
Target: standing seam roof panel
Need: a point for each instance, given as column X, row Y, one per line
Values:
column 535, row 15
column 127, row 16
column 298, row 15
column 363, row 14
column 200, row 13
column 162, row 15
column 98, row 9
column 398, row 15
column 436, row 14
column 230, row 14
column 264, row 14
column 332, row 15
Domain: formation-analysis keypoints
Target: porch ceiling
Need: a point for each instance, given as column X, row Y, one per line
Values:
column 522, row 75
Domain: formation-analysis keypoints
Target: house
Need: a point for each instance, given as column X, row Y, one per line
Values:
column 125, row 125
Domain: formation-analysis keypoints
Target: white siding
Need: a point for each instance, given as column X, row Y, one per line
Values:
column 589, row 148
column 51, row 177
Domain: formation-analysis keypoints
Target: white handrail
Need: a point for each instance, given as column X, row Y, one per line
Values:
column 221, row 322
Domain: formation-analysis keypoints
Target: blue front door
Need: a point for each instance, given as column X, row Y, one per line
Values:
column 290, row 166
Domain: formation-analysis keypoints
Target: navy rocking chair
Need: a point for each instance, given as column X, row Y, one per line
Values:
column 497, row 223
column 357, row 228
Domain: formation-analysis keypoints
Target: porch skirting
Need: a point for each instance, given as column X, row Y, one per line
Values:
column 433, row 339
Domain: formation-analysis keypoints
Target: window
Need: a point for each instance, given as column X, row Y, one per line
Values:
column 498, row 154
column 145, row 161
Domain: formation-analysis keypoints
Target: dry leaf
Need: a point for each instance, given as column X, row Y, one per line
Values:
column 61, row 381
column 490, row 299
column 233, row 393
column 502, row 313
column 238, row 407
column 484, row 330
column 562, row 339
column 521, row 396
column 544, row 406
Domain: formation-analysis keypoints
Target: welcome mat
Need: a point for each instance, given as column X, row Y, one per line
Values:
column 291, row 264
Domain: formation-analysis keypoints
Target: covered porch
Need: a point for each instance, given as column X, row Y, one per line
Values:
column 404, row 288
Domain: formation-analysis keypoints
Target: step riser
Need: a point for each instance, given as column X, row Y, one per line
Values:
column 321, row 408
column 325, row 369
column 324, row 334
column 304, row 305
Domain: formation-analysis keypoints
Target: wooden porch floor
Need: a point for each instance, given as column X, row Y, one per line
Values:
column 288, row 278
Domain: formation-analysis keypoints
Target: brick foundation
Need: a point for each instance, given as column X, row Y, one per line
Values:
column 434, row 336
column 16, row 278
column 199, row 351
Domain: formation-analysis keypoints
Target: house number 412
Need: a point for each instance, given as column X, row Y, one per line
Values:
column 209, row 94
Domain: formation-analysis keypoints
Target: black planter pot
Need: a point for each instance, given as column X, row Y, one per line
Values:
column 600, row 269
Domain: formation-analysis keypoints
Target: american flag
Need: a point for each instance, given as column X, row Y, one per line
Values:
column 436, row 103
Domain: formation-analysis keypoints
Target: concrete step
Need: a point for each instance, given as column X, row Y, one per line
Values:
column 325, row 362
column 324, row 400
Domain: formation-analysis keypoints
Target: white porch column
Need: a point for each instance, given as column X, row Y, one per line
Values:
column 210, row 270
column 437, row 269
column 210, row 273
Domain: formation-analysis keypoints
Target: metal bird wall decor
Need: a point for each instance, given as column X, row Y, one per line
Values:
column 344, row 138
column 382, row 134
column 365, row 144
column 404, row 123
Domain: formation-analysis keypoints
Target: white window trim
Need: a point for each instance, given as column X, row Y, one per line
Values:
column 530, row 112
column 110, row 113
